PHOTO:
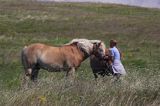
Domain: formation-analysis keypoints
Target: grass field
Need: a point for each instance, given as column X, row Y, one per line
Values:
column 136, row 29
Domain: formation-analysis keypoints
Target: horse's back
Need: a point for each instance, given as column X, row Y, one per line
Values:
column 40, row 49
column 58, row 56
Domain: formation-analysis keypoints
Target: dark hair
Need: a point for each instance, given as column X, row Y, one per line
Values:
column 114, row 42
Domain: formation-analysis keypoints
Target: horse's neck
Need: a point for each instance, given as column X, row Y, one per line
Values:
column 82, row 53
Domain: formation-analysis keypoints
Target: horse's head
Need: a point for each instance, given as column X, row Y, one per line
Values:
column 99, row 50
column 90, row 47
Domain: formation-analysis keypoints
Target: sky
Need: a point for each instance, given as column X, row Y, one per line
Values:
column 141, row 3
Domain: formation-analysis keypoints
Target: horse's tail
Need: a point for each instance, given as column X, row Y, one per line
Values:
column 27, row 70
column 24, row 60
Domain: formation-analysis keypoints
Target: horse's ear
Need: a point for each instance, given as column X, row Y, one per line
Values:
column 95, row 45
column 99, row 44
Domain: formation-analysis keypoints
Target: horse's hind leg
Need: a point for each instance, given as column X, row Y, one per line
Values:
column 26, row 78
column 30, row 73
column 34, row 74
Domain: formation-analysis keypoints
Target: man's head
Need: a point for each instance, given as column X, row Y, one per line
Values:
column 113, row 43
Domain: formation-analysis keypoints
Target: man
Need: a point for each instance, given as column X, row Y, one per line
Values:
column 118, row 68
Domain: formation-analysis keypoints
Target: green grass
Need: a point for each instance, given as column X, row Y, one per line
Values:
column 135, row 29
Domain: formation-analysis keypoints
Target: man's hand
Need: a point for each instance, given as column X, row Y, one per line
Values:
column 105, row 57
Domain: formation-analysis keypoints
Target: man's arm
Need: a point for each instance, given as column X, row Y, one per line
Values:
column 111, row 55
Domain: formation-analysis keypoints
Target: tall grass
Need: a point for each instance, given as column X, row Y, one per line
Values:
column 58, row 92
column 136, row 30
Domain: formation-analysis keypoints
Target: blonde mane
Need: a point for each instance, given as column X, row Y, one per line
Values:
column 86, row 44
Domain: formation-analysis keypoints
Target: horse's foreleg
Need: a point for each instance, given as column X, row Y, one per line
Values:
column 71, row 74
column 95, row 75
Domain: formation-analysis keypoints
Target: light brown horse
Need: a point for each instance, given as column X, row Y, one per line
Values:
column 101, row 66
column 63, row 58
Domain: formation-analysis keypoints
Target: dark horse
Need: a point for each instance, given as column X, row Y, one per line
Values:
column 63, row 58
column 101, row 66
